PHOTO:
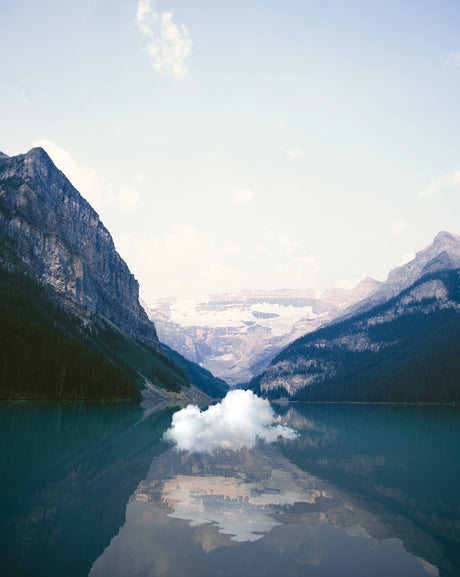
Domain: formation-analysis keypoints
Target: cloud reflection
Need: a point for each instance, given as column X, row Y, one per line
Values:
column 244, row 509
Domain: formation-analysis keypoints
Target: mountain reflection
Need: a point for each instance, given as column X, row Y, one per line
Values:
column 362, row 490
column 68, row 471
column 242, row 508
column 352, row 492
column 399, row 463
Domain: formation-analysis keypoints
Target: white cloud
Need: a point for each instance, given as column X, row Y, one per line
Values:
column 450, row 183
column 98, row 192
column 168, row 45
column 300, row 271
column 128, row 199
column 451, row 60
column 222, row 275
column 243, row 196
column 182, row 260
column 287, row 242
column 398, row 228
column 238, row 421
column 84, row 178
column 294, row 153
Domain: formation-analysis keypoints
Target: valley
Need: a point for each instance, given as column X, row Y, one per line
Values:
column 235, row 336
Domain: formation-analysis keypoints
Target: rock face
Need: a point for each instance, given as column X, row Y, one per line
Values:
column 59, row 236
column 235, row 336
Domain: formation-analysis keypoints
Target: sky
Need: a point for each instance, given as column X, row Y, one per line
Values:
column 244, row 144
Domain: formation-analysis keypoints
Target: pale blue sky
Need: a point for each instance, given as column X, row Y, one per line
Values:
column 267, row 144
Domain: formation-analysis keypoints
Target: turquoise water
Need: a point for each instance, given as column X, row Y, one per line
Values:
column 91, row 489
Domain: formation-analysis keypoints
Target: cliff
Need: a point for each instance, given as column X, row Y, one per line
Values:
column 61, row 239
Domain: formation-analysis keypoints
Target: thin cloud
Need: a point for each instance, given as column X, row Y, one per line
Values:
column 243, row 196
column 449, row 183
column 398, row 228
column 451, row 60
column 288, row 242
column 100, row 193
column 128, row 199
column 84, row 178
column 294, row 153
column 167, row 44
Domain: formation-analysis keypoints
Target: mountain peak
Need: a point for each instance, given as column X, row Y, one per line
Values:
column 38, row 153
column 442, row 242
column 444, row 236
column 63, row 242
column 442, row 254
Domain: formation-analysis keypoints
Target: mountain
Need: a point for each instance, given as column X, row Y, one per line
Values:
column 442, row 254
column 58, row 235
column 406, row 349
column 235, row 336
column 71, row 302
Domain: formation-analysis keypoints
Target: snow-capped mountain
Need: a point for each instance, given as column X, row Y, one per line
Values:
column 235, row 336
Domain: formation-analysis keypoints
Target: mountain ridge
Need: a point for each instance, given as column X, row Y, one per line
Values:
column 441, row 254
column 404, row 349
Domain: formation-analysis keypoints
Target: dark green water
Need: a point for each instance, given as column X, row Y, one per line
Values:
column 91, row 489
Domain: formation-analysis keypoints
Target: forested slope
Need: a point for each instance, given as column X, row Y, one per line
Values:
column 407, row 349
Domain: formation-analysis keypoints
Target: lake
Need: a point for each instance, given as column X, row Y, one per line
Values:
column 93, row 489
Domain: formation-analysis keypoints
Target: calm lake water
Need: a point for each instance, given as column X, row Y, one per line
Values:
column 92, row 489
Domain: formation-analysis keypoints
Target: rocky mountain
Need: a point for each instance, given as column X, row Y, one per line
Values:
column 442, row 254
column 69, row 298
column 63, row 242
column 406, row 349
column 235, row 336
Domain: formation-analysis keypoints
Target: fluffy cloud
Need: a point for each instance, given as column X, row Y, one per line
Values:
column 167, row 44
column 238, row 421
column 450, row 183
column 452, row 60
column 243, row 196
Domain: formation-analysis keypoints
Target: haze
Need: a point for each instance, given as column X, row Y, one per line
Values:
column 234, row 145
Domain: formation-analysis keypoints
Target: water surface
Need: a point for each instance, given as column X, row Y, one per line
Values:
column 363, row 490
